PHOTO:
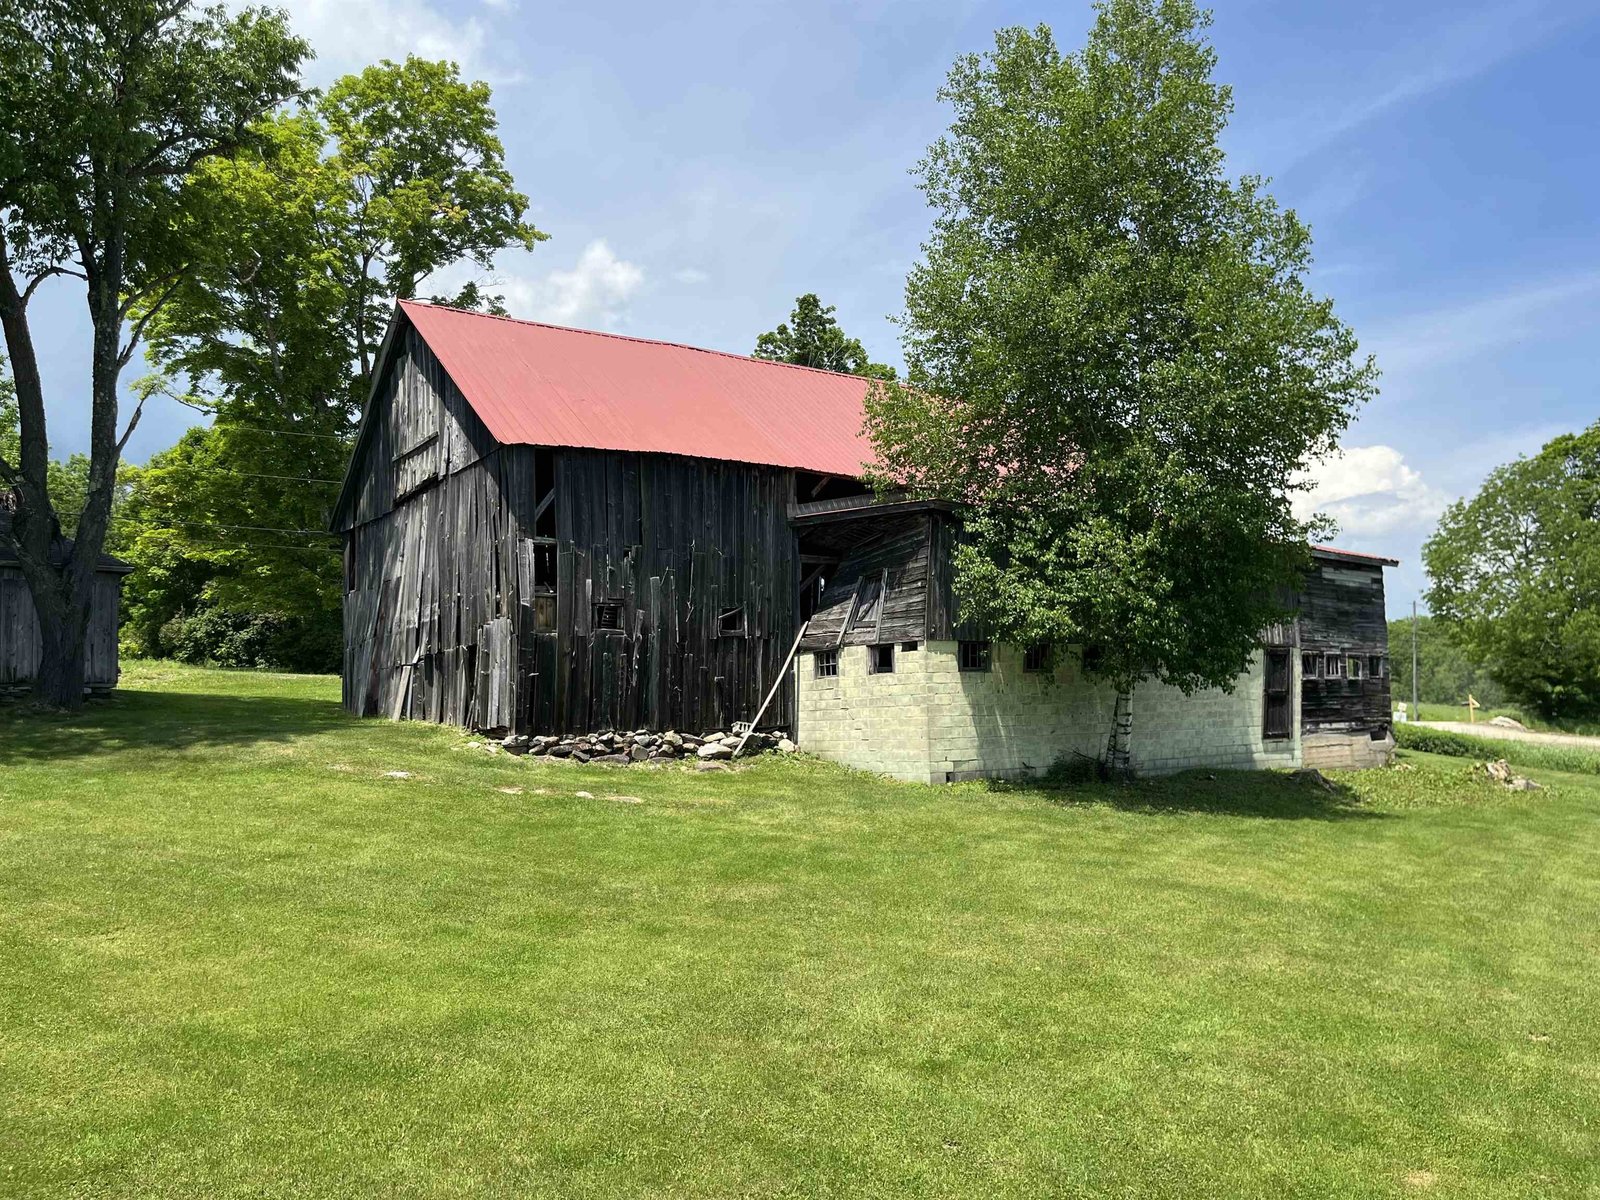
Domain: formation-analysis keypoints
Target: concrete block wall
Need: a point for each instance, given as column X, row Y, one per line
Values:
column 1347, row 751
column 874, row 722
column 932, row 722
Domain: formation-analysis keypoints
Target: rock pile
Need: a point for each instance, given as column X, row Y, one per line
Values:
column 622, row 748
column 1500, row 771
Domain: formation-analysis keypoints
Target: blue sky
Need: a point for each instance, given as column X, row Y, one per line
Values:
column 698, row 165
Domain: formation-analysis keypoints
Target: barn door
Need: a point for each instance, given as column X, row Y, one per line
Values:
column 1278, row 718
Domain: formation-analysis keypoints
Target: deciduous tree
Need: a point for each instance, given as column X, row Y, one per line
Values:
column 344, row 206
column 812, row 338
column 109, row 107
column 1515, row 573
column 1114, row 361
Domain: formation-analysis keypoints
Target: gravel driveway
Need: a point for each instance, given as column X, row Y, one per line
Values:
column 1484, row 729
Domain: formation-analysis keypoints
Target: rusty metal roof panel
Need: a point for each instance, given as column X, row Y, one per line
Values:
column 546, row 385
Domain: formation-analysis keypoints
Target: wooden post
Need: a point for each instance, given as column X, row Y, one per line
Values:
column 773, row 691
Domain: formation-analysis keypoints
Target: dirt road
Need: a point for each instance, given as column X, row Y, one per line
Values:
column 1484, row 729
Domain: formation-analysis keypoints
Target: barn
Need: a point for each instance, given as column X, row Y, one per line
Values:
column 550, row 530
column 20, row 645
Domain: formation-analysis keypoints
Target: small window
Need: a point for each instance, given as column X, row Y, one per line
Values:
column 1353, row 666
column 908, row 647
column 350, row 561
column 544, row 614
column 1310, row 666
column 880, row 660
column 544, row 566
column 972, row 656
column 1332, row 666
column 544, row 491
column 730, row 622
column 1376, row 666
column 1036, row 658
column 608, row 616
column 827, row 664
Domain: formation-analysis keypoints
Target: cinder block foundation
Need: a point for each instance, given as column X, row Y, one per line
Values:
column 931, row 722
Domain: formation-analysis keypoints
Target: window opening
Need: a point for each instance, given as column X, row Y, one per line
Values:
column 544, row 490
column 1278, row 710
column 972, row 656
column 880, row 660
column 827, row 663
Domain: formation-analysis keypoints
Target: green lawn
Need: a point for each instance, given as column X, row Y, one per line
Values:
column 237, row 960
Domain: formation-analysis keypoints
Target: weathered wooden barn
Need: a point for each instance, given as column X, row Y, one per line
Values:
column 20, row 645
column 549, row 530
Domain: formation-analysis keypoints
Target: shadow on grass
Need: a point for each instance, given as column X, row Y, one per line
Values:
column 1273, row 795
column 160, row 720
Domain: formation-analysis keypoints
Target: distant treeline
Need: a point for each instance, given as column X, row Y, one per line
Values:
column 1445, row 673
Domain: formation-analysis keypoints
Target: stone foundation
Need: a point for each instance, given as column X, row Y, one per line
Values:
column 1353, row 751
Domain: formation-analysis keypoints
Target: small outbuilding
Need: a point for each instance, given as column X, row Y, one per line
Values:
column 20, row 644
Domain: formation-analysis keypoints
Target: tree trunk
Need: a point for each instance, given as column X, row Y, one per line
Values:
column 1118, row 752
column 62, row 595
column 62, row 664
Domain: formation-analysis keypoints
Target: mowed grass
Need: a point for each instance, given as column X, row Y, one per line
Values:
column 237, row 960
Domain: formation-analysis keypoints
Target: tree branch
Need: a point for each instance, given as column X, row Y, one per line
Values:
column 138, row 326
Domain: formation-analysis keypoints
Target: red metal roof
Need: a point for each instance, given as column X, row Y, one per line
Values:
column 545, row 385
column 1355, row 556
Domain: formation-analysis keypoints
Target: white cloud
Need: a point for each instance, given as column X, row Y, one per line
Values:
column 347, row 35
column 691, row 276
column 593, row 293
column 1370, row 490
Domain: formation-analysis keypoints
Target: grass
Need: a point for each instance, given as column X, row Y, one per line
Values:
column 1519, row 753
column 236, row 960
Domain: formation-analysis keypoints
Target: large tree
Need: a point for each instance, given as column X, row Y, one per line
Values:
column 1515, row 573
column 346, row 205
column 1115, row 363
column 109, row 108
column 812, row 338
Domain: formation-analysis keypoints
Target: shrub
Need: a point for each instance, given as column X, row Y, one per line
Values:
column 1520, row 753
column 225, row 638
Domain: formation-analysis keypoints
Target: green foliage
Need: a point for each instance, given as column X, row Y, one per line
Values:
column 1446, row 674
column 344, row 206
column 107, row 110
column 9, row 439
column 277, row 641
column 189, row 524
column 1514, row 751
column 1114, row 361
column 1515, row 573
column 812, row 338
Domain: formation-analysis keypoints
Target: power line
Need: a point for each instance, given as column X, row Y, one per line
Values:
column 252, row 528
column 250, row 474
column 333, row 437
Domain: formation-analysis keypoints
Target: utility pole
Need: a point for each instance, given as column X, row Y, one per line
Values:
column 1415, row 711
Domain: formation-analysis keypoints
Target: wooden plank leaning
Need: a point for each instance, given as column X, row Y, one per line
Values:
column 773, row 691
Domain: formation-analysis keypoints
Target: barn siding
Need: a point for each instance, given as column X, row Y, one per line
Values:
column 1342, row 611
column 21, row 646
column 442, row 620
